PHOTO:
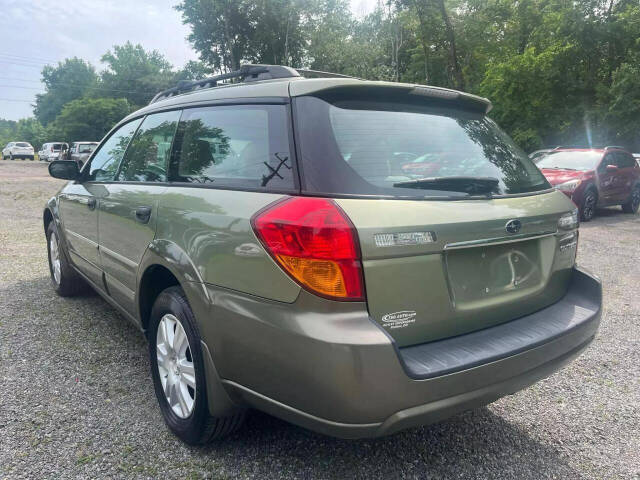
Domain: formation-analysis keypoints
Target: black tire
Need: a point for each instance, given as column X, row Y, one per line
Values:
column 588, row 207
column 633, row 203
column 70, row 283
column 199, row 427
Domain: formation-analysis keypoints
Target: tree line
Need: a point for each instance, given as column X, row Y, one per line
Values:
column 80, row 103
column 557, row 71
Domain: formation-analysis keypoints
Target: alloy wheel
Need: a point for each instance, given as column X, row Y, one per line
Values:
column 54, row 254
column 635, row 199
column 175, row 366
column 589, row 207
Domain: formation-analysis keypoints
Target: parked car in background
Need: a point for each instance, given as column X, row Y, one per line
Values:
column 327, row 282
column 594, row 177
column 80, row 151
column 52, row 151
column 15, row 150
column 637, row 157
column 538, row 154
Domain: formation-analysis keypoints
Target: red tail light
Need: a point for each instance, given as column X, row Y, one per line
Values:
column 315, row 243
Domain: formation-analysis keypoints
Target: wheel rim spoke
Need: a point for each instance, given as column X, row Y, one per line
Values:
column 182, row 393
column 54, row 252
column 179, row 340
column 188, row 374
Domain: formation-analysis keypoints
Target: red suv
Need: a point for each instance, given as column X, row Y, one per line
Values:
column 594, row 177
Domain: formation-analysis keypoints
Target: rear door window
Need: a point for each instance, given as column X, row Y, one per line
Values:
column 104, row 164
column 148, row 154
column 243, row 146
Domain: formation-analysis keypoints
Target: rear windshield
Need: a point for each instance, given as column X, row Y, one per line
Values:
column 22, row 144
column 56, row 146
column 571, row 160
column 402, row 150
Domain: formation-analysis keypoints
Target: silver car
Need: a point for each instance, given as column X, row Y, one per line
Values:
column 81, row 151
column 52, row 151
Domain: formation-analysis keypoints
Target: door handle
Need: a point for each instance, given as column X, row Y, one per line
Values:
column 91, row 203
column 143, row 214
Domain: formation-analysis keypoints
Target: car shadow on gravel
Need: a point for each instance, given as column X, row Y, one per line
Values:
column 475, row 444
column 609, row 216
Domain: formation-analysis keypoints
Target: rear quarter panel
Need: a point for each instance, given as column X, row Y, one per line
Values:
column 213, row 228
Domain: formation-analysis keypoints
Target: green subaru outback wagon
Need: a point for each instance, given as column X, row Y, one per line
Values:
column 354, row 257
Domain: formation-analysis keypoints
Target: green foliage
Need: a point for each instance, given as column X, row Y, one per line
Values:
column 30, row 130
column 67, row 81
column 7, row 132
column 556, row 71
column 135, row 74
column 88, row 118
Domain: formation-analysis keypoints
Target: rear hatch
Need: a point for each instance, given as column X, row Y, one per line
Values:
column 458, row 229
column 438, row 269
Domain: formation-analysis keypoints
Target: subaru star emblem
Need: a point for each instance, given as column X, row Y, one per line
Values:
column 513, row 226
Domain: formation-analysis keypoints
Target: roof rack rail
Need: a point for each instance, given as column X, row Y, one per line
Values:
column 247, row 73
column 321, row 74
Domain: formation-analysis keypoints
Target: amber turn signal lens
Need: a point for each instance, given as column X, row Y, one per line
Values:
column 323, row 276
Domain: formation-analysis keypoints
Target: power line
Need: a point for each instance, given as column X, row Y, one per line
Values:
column 26, row 57
column 5, row 62
column 15, row 100
column 103, row 89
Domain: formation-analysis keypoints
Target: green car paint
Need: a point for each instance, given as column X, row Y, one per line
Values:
column 341, row 368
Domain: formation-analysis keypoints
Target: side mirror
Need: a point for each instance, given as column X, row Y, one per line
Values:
column 64, row 169
column 612, row 168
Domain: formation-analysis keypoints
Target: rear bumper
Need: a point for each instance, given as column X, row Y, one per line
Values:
column 351, row 381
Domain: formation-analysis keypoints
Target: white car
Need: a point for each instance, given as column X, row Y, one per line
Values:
column 637, row 157
column 15, row 150
column 51, row 151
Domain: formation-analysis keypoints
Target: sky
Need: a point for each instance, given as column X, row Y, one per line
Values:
column 40, row 32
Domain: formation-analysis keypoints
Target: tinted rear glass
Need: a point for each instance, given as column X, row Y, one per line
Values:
column 22, row 144
column 56, row 147
column 403, row 150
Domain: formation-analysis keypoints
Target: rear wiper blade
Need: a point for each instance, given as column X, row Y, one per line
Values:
column 470, row 185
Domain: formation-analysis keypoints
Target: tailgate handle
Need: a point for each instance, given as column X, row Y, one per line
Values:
column 143, row 214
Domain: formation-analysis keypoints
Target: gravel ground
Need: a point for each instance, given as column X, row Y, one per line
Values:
column 76, row 397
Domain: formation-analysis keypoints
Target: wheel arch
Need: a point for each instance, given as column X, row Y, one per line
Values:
column 165, row 264
column 47, row 218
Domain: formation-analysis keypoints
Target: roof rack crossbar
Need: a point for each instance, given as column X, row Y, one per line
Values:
column 247, row 73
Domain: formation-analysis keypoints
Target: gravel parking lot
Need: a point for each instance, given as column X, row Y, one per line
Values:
column 77, row 401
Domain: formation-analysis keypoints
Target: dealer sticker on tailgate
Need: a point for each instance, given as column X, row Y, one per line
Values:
column 399, row 319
